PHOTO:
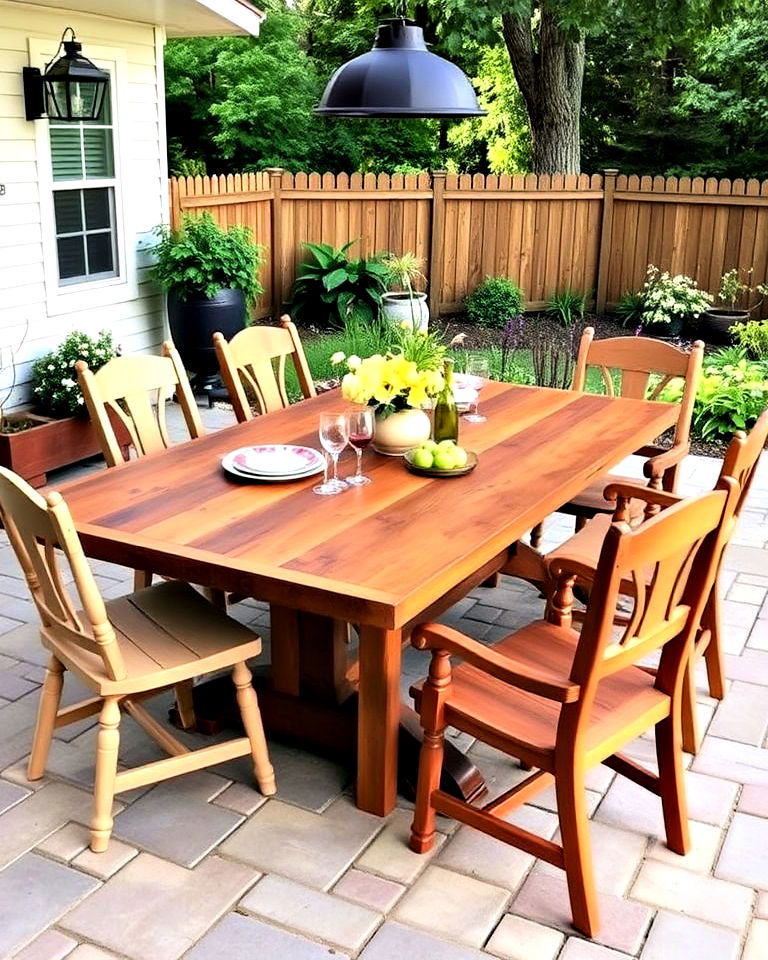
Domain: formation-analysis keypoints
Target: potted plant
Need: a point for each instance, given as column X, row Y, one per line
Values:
column 332, row 289
column 397, row 384
column 405, row 303
column 211, row 277
column 57, row 432
column 669, row 301
column 715, row 323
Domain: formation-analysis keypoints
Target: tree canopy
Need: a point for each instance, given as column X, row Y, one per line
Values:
column 676, row 86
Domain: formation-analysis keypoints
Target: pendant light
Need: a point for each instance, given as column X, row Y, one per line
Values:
column 399, row 77
column 71, row 88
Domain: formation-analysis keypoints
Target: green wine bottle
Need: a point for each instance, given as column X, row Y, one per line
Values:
column 446, row 420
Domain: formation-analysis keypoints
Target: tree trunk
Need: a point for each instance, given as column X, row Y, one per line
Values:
column 550, row 76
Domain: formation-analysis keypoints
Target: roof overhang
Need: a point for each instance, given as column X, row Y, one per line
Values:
column 181, row 18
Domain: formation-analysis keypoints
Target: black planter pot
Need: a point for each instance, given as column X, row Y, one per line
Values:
column 193, row 323
column 715, row 324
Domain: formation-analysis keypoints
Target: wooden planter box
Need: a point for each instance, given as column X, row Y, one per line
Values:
column 48, row 445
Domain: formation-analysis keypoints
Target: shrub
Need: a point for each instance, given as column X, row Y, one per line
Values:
column 630, row 308
column 201, row 258
column 753, row 335
column 732, row 394
column 331, row 289
column 494, row 302
column 54, row 379
column 567, row 306
column 667, row 298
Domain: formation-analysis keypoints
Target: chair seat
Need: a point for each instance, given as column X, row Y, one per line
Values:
column 591, row 500
column 166, row 633
column 515, row 720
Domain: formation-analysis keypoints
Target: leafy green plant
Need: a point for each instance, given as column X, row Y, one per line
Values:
column 629, row 309
column 331, row 288
column 753, row 335
column 494, row 301
column 54, row 378
column 732, row 394
column 566, row 306
column 667, row 297
column 201, row 258
column 404, row 271
column 732, row 287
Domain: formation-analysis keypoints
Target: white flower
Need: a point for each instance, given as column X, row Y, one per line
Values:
column 338, row 357
column 68, row 383
column 80, row 399
column 353, row 362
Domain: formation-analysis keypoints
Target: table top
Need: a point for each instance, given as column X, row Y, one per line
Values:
column 377, row 554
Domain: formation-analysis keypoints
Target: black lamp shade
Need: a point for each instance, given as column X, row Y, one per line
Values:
column 399, row 77
column 74, row 86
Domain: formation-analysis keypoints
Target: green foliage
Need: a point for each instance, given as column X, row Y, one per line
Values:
column 54, row 378
column 494, row 302
column 753, row 336
column 404, row 271
column 567, row 306
column 667, row 297
column 732, row 394
column 630, row 308
column 332, row 288
column 201, row 258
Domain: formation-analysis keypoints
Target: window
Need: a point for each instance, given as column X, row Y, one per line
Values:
column 83, row 167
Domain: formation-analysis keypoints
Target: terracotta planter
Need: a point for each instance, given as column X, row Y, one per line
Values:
column 48, row 445
column 400, row 432
column 714, row 325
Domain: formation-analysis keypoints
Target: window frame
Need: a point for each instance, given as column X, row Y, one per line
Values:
column 83, row 294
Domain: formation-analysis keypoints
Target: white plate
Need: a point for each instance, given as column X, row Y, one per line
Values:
column 232, row 469
column 276, row 460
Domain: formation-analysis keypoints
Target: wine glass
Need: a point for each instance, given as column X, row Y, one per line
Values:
column 478, row 372
column 360, row 430
column 333, row 437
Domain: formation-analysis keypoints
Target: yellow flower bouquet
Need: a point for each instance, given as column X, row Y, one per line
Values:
column 408, row 375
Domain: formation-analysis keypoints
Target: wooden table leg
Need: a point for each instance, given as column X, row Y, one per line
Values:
column 378, row 719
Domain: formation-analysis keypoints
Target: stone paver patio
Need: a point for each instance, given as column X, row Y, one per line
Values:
column 203, row 867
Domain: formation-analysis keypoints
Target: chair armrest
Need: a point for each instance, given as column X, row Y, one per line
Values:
column 630, row 491
column 543, row 683
column 658, row 464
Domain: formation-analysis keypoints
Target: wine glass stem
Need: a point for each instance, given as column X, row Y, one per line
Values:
column 325, row 469
column 359, row 471
column 335, row 466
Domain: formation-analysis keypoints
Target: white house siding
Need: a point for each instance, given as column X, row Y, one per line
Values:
column 133, row 309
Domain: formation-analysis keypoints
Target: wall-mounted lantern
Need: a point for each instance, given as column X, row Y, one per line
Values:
column 70, row 89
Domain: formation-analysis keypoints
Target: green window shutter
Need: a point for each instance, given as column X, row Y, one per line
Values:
column 99, row 158
column 66, row 157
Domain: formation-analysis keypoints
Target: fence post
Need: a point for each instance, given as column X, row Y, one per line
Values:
column 276, row 186
column 436, row 242
column 606, row 235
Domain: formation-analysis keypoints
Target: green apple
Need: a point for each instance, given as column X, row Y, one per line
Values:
column 444, row 444
column 445, row 458
column 460, row 457
column 429, row 445
column 422, row 458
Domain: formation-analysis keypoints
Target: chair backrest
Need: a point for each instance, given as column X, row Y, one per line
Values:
column 742, row 456
column 672, row 561
column 247, row 364
column 637, row 359
column 36, row 527
column 134, row 390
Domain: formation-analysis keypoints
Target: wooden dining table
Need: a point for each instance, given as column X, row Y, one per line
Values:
column 382, row 557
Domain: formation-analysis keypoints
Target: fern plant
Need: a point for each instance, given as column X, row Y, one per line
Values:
column 331, row 289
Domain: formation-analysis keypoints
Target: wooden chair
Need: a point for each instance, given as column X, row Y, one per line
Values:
column 583, row 548
column 636, row 360
column 247, row 364
column 563, row 702
column 124, row 651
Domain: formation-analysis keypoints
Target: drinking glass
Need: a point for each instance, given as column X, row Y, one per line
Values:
column 333, row 437
column 477, row 375
column 360, row 430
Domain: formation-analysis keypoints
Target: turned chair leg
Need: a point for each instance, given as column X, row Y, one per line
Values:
column 713, row 655
column 185, row 704
column 689, row 720
column 254, row 729
column 50, row 697
column 142, row 579
column 536, row 534
column 672, row 784
column 577, row 853
column 107, row 744
column 430, row 769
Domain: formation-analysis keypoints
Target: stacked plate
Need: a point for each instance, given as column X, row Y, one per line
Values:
column 273, row 463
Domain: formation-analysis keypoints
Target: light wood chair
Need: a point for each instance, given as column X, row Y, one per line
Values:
column 124, row 651
column 635, row 360
column 583, row 548
column 563, row 702
column 247, row 364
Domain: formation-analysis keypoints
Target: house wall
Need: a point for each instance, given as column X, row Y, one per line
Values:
column 129, row 306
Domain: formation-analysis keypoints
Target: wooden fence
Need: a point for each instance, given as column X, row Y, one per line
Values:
column 590, row 233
